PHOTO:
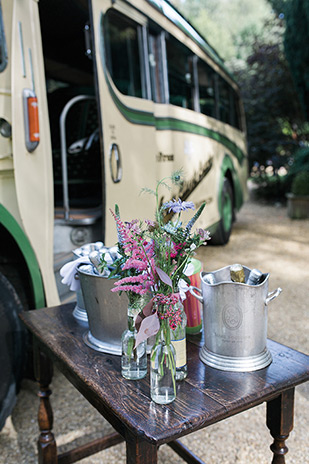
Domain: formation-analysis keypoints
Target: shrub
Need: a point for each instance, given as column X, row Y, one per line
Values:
column 300, row 184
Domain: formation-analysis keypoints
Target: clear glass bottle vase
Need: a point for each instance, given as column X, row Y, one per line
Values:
column 178, row 339
column 163, row 367
column 133, row 360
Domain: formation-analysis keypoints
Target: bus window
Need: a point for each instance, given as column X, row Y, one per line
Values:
column 3, row 51
column 224, row 101
column 123, row 50
column 206, row 83
column 235, row 110
column 180, row 74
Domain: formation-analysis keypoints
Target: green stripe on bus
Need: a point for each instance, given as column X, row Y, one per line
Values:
column 184, row 126
column 148, row 119
column 25, row 247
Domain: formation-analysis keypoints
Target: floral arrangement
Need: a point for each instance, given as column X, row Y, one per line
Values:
column 155, row 259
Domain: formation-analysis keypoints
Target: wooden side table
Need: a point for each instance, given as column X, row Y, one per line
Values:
column 207, row 395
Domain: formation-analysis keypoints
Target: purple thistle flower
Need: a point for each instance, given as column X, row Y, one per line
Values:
column 177, row 205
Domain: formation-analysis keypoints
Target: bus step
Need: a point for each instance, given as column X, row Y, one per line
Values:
column 78, row 217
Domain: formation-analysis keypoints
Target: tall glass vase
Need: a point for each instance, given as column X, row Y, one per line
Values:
column 133, row 360
column 163, row 367
column 178, row 339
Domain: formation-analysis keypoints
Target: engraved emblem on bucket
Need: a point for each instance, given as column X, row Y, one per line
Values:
column 232, row 317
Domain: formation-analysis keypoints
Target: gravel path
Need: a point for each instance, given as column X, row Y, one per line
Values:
column 263, row 237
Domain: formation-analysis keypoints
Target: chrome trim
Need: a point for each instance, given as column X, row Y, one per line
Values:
column 21, row 43
column 115, row 152
column 31, row 69
column 166, row 93
column 63, row 116
column 146, row 62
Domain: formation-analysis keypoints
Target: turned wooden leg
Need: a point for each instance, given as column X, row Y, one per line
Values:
column 140, row 451
column 280, row 413
column 47, row 448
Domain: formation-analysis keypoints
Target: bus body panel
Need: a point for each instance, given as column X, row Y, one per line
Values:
column 136, row 142
column 32, row 170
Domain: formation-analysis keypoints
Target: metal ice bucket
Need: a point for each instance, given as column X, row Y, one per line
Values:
column 107, row 311
column 234, row 322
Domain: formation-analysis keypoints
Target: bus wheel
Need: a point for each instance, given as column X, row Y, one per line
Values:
column 224, row 229
column 12, row 347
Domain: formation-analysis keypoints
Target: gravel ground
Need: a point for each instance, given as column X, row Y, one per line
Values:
column 263, row 237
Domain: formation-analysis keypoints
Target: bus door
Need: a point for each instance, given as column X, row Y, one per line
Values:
column 74, row 124
column 31, row 139
column 121, row 51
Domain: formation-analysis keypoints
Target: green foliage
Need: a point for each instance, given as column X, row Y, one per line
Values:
column 299, row 161
column 219, row 22
column 275, row 187
column 300, row 184
column 272, row 121
column 270, row 188
column 251, row 37
column 296, row 41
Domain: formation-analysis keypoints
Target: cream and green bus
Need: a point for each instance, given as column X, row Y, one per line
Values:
column 98, row 99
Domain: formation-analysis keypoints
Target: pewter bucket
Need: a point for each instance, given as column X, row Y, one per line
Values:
column 234, row 322
column 107, row 311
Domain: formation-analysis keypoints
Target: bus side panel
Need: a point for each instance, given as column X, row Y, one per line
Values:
column 33, row 170
column 129, row 124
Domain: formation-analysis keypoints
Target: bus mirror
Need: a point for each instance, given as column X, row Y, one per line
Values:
column 31, row 119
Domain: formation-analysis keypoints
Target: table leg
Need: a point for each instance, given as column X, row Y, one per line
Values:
column 140, row 451
column 47, row 448
column 280, row 413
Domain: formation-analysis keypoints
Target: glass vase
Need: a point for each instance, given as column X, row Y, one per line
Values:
column 133, row 360
column 163, row 367
column 178, row 339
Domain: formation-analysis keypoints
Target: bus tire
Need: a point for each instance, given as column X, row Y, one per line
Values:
column 13, row 342
column 224, row 229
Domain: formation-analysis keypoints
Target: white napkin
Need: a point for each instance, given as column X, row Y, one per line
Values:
column 68, row 272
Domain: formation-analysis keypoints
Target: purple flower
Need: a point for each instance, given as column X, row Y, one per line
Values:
column 177, row 205
column 204, row 234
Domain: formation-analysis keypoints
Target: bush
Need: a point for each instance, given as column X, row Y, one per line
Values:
column 270, row 188
column 300, row 184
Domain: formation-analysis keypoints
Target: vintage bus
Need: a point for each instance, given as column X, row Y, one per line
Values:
column 99, row 99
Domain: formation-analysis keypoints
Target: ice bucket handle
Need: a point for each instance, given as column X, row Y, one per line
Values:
column 272, row 295
column 191, row 290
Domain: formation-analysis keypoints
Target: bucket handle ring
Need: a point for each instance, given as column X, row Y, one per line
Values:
column 272, row 295
column 191, row 290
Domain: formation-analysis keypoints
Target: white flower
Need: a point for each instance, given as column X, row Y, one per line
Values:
column 183, row 287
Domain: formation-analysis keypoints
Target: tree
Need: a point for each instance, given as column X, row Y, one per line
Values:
column 296, row 47
column 225, row 24
column 249, row 36
column 274, row 117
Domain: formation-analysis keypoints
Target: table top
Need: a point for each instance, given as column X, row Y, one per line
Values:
column 207, row 396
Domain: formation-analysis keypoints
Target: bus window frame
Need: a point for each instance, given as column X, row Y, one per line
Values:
column 141, row 30
column 4, row 54
column 158, row 69
column 187, row 55
column 152, row 79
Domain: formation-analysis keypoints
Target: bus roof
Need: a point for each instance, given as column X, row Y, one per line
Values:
column 170, row 12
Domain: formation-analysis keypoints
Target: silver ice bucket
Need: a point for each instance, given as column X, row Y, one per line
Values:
column 234, row 321
column 107, row 311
